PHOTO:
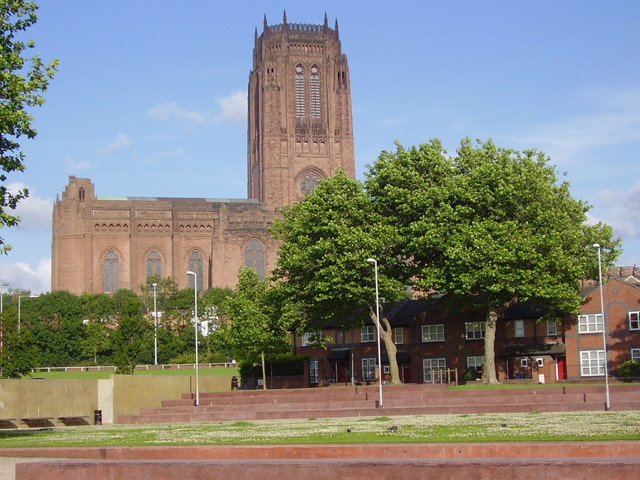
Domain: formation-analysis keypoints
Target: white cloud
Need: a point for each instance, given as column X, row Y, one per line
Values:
column 621, row 210
column 614, row 120
column 34, row 212
column 21, row 276
column 233, row 108
column 171, row 110
column 122, row 140
column 82, row 165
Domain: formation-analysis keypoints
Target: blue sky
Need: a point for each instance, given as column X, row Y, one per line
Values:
column 150, row 97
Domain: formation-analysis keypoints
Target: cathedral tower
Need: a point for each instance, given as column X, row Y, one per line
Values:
column 300, row 122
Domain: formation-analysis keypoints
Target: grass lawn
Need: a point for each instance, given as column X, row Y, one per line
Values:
column 220, row 371
column 524, row 427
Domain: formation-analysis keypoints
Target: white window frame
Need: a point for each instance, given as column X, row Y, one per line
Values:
column 635, row 354
column 524, row 363
column 430, row 364
column 369, row 369
column 433, row 333
column 398, row 335
column 368, row 334
column 592, row 363
column 591, row 323
column 476, row 362
column 518, row 329
column 634, row 320
column 309, row 338
column 552, row 327
column 314, row 376
column 475, row 330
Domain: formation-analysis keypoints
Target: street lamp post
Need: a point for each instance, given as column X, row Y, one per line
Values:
column 155, row 327
column 195, row 322
column 1, row 310
column 607, row 405
column 375, row 265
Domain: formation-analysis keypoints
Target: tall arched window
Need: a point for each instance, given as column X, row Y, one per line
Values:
column 315, row 93
column 195, row 265
column 81, row 195
column 154, row 264
column 111, row 272
column 254, row 258
column 299, row 89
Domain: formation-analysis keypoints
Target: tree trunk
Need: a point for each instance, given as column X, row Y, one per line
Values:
column 264, row 373
column 387, row 337
column 489, row 370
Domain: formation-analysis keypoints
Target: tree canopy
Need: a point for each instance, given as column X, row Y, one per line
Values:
column 323, row 267
column 256, row 327
column 490, row 222
column 23, row 79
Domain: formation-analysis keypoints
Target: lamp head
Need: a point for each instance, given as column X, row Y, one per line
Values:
column 596, row 246
column 371, row 260
column 190, row 272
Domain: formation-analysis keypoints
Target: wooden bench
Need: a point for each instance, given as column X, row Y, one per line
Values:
column 74, row 420
column 37, row 421
column 7, row 423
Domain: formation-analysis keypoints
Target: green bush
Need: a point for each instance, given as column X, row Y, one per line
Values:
column 470, row 374
column 630, row 368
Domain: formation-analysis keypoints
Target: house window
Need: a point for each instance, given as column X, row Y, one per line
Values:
column 111, row 272
column 476, row 363
column 311, row 338
column 313, row 371
column 634, row 320
column 524, row 362
column 433, row 333
column 434, row 370
column 519, row 328
column 195, row 265
column 635, row 354
column 368, row 369
column 368, row 334
column 552, row 327
column 590, row 323
column 154, row 264
column 592, row 363
column 474, row 330
column 254, row 257
column 399, row 335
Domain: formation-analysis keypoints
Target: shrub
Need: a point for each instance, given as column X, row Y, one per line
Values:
column 630, row 368
column 470, row 374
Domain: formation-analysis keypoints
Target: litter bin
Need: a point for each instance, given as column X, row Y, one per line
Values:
column 97, row 417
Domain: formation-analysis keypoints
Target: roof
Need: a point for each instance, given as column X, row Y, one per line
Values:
column 533, row 349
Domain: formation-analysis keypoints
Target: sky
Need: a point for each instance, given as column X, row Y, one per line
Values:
column 150, row 97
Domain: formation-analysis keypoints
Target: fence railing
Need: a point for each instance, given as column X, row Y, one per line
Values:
column 112, row 368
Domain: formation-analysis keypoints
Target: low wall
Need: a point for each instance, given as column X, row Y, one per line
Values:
column 113, row 397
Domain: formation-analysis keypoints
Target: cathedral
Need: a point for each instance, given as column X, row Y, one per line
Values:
column 300, row 131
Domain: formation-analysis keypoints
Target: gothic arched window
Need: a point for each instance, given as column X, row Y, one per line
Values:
column 81, row 194
column 315, row 93
column 111, row 272
column 299, row 90
column 154, row 264
column 195, row 265
column 254, row 257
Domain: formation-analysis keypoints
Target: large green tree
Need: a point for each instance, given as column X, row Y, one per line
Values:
column 131, row 338
column 256, row 327
column 23, row 79
column 492, row 223
column 323, row 268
